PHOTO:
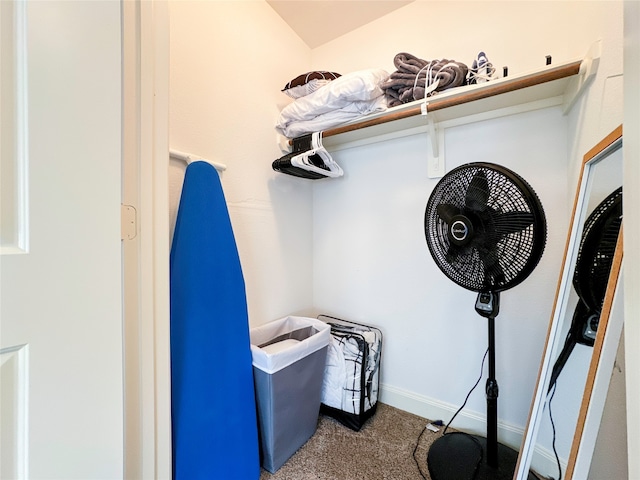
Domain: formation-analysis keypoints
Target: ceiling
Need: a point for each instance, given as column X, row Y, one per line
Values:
column 319, row 21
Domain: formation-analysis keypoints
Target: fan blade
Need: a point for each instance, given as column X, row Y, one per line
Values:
column 454, row 252
column 512, row 222
column 494, row 274
column 478, row 192
column 447, row 211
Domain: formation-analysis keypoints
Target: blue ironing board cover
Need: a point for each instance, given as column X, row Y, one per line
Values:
column 214, row 428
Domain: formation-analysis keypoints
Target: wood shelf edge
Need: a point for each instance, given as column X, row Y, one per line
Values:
column 487, row 90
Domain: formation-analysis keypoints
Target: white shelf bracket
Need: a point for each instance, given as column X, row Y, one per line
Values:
column 588, row 70
column 188, row 158
column 435, row 158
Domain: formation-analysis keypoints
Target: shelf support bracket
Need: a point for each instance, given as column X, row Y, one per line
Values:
column 435, row 160
column 588, row 70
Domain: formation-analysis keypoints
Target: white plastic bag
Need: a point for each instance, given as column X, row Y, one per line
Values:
column 310, row 334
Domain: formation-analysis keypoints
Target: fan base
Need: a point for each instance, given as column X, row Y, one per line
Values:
column 460, row 456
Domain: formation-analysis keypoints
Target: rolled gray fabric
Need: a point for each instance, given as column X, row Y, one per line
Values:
column 414, row 77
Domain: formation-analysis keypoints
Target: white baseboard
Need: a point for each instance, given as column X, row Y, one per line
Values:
column 467, row 421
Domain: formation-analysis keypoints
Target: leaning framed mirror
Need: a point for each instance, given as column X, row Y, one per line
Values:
column 596, row 390
column 584, row 298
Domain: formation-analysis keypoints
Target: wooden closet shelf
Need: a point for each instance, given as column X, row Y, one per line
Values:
column 551, row 83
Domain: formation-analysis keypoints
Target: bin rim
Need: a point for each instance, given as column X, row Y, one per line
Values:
column 274, row 362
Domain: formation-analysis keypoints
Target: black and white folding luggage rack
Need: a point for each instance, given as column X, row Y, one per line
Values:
column 352, row 373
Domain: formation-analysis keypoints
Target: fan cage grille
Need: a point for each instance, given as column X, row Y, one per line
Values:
column 508, row 254
column 597, row 249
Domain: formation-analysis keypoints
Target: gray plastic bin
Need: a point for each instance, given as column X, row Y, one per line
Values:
column 289, row 358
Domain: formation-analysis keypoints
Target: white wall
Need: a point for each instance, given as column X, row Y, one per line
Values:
column 600, row 111
column 371, row 260
column 373, row 265
column 514, row 34
column 229, row 61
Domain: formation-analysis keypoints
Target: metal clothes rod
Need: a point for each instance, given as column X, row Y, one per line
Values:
column 189, row 157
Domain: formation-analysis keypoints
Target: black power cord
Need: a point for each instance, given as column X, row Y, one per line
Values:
column 553, row 428
column 470, row 392
column 415, row 449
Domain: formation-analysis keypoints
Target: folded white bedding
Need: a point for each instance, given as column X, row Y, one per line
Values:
column 348, row 97
column 327, row 120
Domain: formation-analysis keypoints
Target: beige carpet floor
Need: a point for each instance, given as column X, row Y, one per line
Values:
column 382, row 449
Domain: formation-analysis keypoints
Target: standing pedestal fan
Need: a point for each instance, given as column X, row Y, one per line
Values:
column 486, row 230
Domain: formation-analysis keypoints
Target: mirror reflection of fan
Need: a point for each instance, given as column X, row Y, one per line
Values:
column 486, row 230
column 591, row 275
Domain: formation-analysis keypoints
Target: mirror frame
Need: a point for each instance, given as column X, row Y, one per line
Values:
column 591, row 158
column 610, row 339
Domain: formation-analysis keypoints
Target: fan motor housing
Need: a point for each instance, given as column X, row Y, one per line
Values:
column 460, row 230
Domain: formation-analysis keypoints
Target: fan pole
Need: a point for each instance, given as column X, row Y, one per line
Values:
column 491, row 390
column 488, row 305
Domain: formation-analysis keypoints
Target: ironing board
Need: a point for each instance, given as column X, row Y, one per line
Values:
column 214, row 427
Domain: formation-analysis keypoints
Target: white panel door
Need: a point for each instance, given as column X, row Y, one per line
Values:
column 61, row 393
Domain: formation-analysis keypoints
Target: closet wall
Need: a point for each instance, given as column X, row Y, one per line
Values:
column 371, row 262
column 229, row 61
column 354, row 246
